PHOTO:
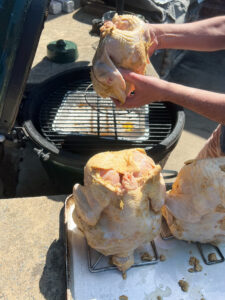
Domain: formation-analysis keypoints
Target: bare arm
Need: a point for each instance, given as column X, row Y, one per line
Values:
column 149, row 89
column 206, row 35
column 208, row 104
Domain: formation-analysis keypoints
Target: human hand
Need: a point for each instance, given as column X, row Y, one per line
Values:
column 153, row 34
column 147, row 89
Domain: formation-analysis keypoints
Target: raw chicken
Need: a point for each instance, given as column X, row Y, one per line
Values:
column 195, row 207
column 119, row 207
column 124, row 43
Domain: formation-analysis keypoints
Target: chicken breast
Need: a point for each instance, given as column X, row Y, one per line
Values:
column 119, row 207
column 195, row 207
column 124, row 42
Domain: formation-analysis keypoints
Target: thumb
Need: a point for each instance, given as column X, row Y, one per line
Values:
column 129, row 76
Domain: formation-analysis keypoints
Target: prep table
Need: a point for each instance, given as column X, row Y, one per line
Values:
column 91, row 276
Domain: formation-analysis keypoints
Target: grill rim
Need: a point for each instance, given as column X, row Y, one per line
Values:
column 27, row 118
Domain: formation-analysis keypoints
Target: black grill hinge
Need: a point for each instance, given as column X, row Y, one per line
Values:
column 41, row 154
column 18, row 135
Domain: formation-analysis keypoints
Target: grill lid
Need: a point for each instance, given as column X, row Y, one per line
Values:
column 21, row 23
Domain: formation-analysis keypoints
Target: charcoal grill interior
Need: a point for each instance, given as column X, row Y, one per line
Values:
column 69, row 115
column 65, row 113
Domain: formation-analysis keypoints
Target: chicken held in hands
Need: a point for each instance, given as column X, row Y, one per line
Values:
column 125, row 43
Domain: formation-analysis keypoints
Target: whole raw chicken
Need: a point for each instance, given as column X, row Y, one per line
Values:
column 119, row 207
column 195, row 207
column 125, row 43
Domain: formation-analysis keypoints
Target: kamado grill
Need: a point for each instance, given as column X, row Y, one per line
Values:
column 67, row 119
column 63, row 116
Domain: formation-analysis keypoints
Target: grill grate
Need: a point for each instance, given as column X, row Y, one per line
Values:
column 67, row 120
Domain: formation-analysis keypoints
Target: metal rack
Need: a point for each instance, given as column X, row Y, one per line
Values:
column 202, row 248
column 204, row 257
column 94, row 266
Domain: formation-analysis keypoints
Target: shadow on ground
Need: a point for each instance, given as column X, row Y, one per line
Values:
column 203, row 70
column 52, row 283
column 87, row 13
column 46, row 68
column 52, row 17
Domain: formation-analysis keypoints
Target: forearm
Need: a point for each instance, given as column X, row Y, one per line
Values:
column 209, row 104
column 206, row 35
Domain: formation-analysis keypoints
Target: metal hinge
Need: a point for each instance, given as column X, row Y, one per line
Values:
column 41, row 154
column 19, row 134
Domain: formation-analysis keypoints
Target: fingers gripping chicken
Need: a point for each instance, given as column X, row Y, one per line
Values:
column 124, row 42
column 195, row 207
column 118, row 208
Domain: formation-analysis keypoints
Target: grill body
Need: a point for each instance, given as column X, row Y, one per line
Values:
column 70, row 123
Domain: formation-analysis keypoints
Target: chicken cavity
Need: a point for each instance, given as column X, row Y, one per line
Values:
column 128, row 180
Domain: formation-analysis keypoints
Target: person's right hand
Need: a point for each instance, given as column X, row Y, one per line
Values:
column 147, row 89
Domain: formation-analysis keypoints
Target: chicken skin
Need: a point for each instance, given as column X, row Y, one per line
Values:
column 119, row 207
column 124, row 43
column 195, row 207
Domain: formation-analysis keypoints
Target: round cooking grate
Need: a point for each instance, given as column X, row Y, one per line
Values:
column 109, row 109
column 74, row 124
